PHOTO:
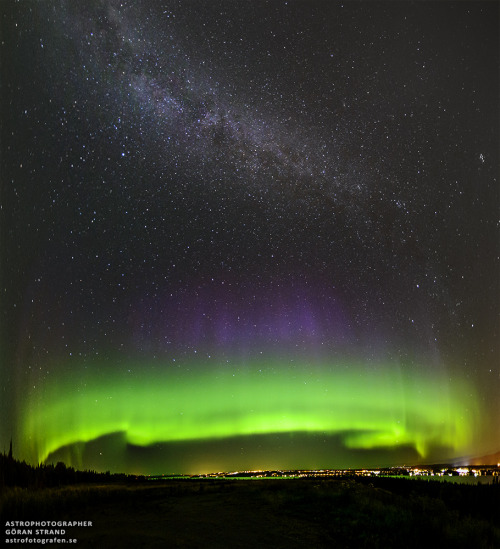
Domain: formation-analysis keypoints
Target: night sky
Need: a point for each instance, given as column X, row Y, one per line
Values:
column 247, row 235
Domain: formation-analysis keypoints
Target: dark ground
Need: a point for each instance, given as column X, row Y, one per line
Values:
column 296, row 513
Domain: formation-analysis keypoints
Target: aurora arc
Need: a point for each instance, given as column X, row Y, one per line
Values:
column 386, row 408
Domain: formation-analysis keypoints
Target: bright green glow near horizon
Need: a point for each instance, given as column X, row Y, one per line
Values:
column 380, row 409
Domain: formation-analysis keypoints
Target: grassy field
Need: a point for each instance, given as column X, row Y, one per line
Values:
column 306, row 513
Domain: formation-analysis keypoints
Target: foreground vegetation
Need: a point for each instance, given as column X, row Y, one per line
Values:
column 345, row 512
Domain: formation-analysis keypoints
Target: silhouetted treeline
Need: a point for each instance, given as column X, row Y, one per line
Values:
column 21, row 474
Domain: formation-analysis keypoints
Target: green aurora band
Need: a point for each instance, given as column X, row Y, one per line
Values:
column 381, row 408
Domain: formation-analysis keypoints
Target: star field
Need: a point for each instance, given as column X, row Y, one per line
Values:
column 226, row 188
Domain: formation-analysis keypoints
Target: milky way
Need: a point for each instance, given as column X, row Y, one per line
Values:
column 260, row 192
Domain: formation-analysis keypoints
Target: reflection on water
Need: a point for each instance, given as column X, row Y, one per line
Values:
column 466, row 479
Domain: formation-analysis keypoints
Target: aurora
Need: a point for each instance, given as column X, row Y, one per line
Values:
column 381, row 408
column 245, row 235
